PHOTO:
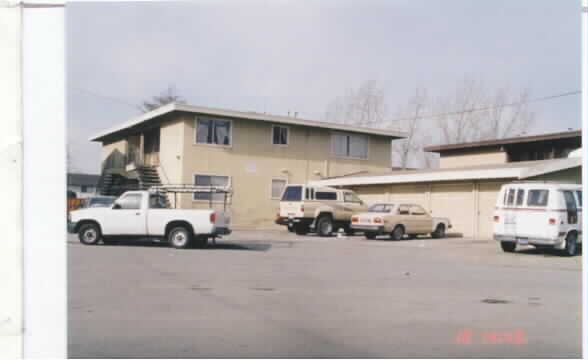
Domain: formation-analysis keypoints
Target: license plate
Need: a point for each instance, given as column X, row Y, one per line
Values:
column 523, row 241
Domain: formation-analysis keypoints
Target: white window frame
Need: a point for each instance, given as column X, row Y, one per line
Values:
column 271, row 187
column 287, row 135
column 228, row 187
column 333, row 133
column 195, row 139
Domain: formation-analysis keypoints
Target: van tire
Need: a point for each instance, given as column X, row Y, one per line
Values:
column 397, row 233
column 324, row 226
column 439, row 232
column 179, row 237
column 301, row 229
column 508, row 246
column 571, row 245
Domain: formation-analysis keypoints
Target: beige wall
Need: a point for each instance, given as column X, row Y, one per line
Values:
column 252, row 161
column 471, row 159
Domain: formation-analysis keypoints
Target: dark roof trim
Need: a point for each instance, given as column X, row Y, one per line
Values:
column 515, row 140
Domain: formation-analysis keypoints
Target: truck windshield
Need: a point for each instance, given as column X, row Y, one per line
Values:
column 292, row 193
column 100, row 202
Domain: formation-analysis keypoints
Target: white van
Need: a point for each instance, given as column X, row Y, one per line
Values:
column 540, row 214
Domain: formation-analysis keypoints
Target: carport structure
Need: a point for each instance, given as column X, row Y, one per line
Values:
column 466, row 195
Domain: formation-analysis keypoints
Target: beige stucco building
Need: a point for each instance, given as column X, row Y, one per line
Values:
column 466, row 185
column 253, row 155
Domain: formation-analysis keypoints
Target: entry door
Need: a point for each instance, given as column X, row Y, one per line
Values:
column 127, row 217
column 152, row 147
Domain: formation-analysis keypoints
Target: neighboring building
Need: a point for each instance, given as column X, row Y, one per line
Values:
column 82, row 185
column 465, row 187
column 528, row 148
column 254, row 155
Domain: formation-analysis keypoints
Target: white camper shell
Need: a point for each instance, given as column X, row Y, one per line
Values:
column 540, row 214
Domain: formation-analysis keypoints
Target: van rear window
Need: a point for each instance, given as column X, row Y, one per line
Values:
column 537, row 197
column 292, row 193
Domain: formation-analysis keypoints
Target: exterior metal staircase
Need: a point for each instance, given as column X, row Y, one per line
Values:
column 113, row 184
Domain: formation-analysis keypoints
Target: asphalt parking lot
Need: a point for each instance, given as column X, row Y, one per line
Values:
column 276, row 294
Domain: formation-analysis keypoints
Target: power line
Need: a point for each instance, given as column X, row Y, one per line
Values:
column 545, row 98
column 104, row 97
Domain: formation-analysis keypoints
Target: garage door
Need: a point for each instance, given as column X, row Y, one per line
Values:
column 487, row 194
column 415, row 194
column 372, row 194
column 456, row 202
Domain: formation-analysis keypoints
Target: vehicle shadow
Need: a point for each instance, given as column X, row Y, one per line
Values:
column 209, row 246
column 546, row 251
column 420, row 237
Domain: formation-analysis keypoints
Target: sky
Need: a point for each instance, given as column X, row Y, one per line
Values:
column 278, row 56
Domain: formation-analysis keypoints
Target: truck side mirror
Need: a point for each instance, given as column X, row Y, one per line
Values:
column 116, row 206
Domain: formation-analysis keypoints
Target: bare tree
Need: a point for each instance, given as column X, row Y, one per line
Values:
column 473, row 114
column 507, row 115
column 365, row 106
column 166, row 97
column 408, row 148
column 458, row 118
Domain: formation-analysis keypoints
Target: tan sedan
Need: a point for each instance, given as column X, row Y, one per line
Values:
column 398, row 220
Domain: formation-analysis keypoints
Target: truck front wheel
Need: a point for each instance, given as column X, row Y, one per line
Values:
column 89, row 234
column 179, row 237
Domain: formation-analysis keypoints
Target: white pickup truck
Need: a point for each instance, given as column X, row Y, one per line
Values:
column 141, row 214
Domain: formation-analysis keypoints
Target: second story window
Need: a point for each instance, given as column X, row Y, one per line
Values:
column 213, row 131
column 279, row 135
column 350, row 145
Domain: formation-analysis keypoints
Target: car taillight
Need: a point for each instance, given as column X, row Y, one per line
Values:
column 354, row 219
column 212, row 218
column 301, row 208
column 496, row 218
column 552, row 221
column 378, row 220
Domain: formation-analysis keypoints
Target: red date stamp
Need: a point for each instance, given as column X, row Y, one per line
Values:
column 469, row 336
